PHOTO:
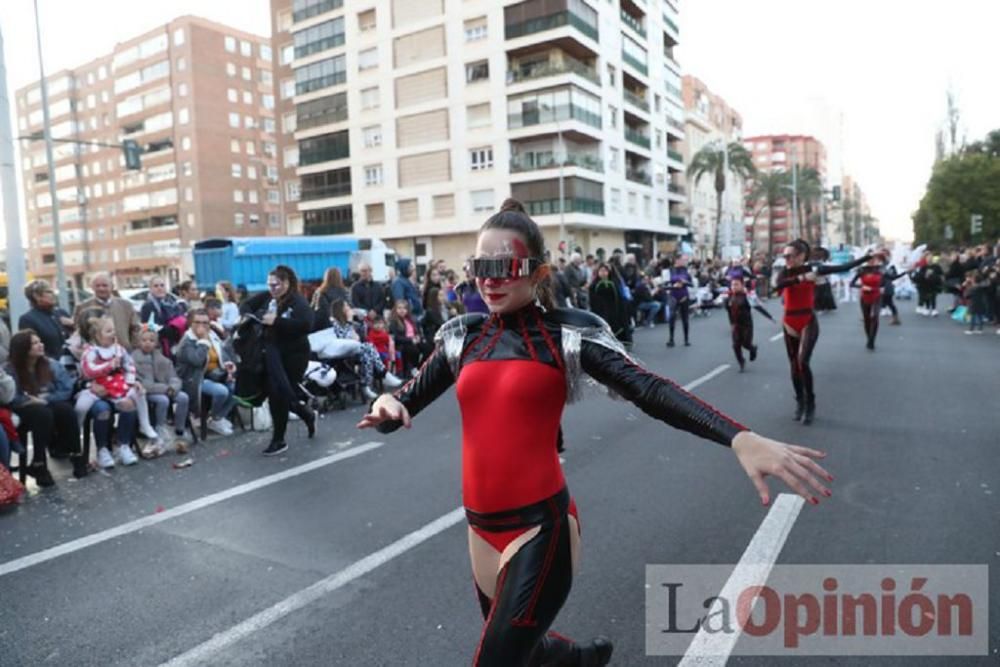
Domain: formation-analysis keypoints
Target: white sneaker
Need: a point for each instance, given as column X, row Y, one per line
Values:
column 933, row 313
column 367, row 392
column 104, row 458
column 219, row 426
column 390, row 381
column 920, row 310
column 125, row 454
column 969, row 332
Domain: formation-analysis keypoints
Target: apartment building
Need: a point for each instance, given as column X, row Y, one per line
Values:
column 778, row 153
column 415, row 119
column 710, row 122
column 198, row 97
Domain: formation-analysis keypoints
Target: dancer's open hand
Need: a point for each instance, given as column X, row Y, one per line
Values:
column 762, row 456
column 385, row 408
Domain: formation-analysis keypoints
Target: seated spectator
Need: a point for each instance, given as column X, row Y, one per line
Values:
column 206, row 366
column 226, row 293
column 371, row 362
column 163, row 310
column 378, row 336
column 406, row 334
column 438, row 311
column 109, row 366
column 332, row 289
column 366, row 294
column 120, row 310
column 45, row 318
column 8, row 434
column 189, row 296
column 213, row 307
column 158, row 377
column 647, row 306
column 42, row 401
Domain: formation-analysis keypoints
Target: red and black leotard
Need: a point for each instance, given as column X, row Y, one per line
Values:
column 514, row 374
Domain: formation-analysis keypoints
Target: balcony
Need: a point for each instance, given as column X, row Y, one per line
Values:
column 676, row 189
column 546, row 160
column 330, row 42
column 638, row 66
column 636, row 100
column 637, row 138
column 326, row 192
column 571, row 204
column 307, row 9
column 536, row 116
column 678, row 221
column 558, row 20
column 633, row 23
column 671, row 25
column 674, row 155
column 676, row 124
column 638, row 176
column 548, row 68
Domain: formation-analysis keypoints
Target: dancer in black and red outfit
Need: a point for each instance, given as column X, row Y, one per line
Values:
column 738, row 305
column 873, row 281
column 515, row 369
column 798, row 281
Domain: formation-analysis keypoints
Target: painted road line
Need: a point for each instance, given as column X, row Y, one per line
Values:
column 777, row 336
column 706, row 377
column 203, row 653
column 193, row 506
column 713, row 649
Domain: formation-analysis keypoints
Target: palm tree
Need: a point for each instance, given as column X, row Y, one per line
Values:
column 809, row 188
column 771, row 188
column 712, row 160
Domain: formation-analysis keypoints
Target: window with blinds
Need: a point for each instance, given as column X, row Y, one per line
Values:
column 375, row 214
column 418, row 46
column 409, row 211
column 477, row 115
column 422, row 128
column 444, row 206
column 424, row 168
column 421, row 87
column 405, row 12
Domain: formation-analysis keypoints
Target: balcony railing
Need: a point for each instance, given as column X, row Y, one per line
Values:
column 671, row 24
column 633, row 23
column 309, row 85
column 563, row 112
column 548, row 68
column 531, row 26
column 674, row 155
column 636, row 137
column 331, row 42
column 571, row 204
column 678, row 221
column 311, row 9
column 676, row 189
column 673, row 90
column 326, row 192
column 535, row 161
column 634, row 62
column 676, row 124
column 638, row 176
column 636, row 100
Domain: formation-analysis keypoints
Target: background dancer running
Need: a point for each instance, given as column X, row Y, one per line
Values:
column 514, row 370
column 738, row 304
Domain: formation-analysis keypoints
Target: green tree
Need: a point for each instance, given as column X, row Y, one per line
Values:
column 961, row 185
column 808, row 190
column 769, row 189
column 711, row 160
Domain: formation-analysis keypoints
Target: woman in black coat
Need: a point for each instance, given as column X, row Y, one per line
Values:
column 287, row 321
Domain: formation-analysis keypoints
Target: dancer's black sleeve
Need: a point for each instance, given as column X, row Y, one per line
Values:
column 656, row 396
column 763, row 311
column 787, row 278
column 432, row 380
column 826, row 270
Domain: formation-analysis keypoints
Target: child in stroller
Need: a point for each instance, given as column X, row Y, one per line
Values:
column 355, row 365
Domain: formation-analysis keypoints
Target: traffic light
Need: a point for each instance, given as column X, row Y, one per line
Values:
column 132, row 152
column 836, row 193
column 977, row 224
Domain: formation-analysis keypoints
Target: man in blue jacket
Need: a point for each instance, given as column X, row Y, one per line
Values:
column 404, row 288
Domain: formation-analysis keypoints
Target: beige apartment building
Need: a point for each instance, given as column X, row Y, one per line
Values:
column 198, row 97
column 710, row 122
column 415, row 119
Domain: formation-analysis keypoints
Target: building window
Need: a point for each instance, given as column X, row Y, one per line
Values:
column 246, row 50
column 251, row 172
column 182, row 90
column 293, row 191
column 481, row 158
column 611, row 75
column 181, row 64
column 477, row 115
column 247, row 76
column 320, row 37
column 366, row 20
column 409, row 210
column 267, row 101
column 659, row 139
column 287, row 54
column 252, row 197
column 373, row 175
column 612, row 117
column 254, row 219
column 287, row 88
column 614, row 156
column 616, row 200
column 185, row 143
column 251, row 147
column 291, row 157
column 232, row 95
column 477, row 71
column 273, row 197
column 238, row 196
column 374, row 214
column 234, row 145
column 230, row 44
column 230, row 69
column 322, row 74
column 475, row 29
column 482, row 200
column 238, row 219
column 289, row 122
column 373, row 136
column 370, row 98
column 368, row 59
column 234, row 120
column 249, row 122
column 247, row 97
column 657, row 100
column 183, row 116
column 265, row 53
column 236, row 169
column 633, row 203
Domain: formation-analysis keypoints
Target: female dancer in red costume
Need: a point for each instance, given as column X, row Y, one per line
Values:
column 798, row 280
column 515, row 370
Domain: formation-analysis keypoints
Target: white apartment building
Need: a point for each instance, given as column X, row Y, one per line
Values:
column 415, row 119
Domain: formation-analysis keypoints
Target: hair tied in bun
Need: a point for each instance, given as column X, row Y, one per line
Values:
column 511, row 204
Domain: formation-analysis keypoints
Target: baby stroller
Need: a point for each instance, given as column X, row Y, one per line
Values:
column 332, row 376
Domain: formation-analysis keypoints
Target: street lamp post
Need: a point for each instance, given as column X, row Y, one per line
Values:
column 562, row 162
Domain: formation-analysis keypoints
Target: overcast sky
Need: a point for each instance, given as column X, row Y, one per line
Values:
column 788, row 66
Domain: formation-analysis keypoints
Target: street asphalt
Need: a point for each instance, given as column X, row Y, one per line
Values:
column 912, row 431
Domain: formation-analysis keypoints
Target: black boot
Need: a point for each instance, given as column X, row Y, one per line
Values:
column 275, row 448
column 309, row 417
column 670, row 343
column 41, row 474
column 800, row 408
column 810, row 410
column 81, row 467
column 597, row 654
column 753, row 353
column 557, row 651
